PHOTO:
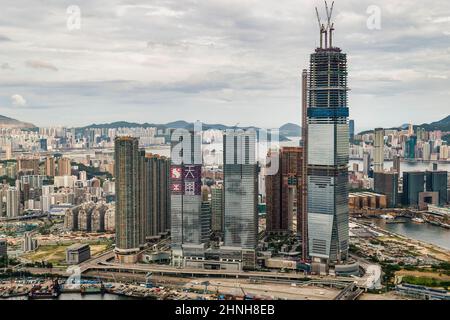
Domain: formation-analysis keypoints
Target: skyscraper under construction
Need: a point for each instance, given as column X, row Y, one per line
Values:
column 328, row 144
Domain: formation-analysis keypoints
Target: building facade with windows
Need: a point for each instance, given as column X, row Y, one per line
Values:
column 328, row 155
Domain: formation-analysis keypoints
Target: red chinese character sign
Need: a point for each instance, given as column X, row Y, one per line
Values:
column 176, row 173
column 186, row 180
column 176, row 188
column 192, row 178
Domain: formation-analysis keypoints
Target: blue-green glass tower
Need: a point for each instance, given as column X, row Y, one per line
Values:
column 328, row 145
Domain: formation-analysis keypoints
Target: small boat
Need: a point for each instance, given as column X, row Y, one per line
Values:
column 417, row 220
column 92, row 289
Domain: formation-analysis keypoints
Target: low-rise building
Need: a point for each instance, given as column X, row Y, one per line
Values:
column 29, row 243
column 367, row 200
column 77, row 253
column 422, row 292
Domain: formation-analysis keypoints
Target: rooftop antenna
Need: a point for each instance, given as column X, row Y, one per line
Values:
column 321, row 28
column 330, row 25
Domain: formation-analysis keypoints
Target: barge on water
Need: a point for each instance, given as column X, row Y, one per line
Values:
column 92, row 289
column 43, row 292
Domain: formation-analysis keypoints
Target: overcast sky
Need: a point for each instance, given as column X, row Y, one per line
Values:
column 227, row 61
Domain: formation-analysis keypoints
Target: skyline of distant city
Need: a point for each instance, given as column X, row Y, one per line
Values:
column 136, row 124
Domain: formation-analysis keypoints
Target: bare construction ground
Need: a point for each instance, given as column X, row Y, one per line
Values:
column 265, row 290
column 383, row 296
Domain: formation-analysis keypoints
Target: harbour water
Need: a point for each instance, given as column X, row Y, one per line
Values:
column 78, row 296
column 419, row 231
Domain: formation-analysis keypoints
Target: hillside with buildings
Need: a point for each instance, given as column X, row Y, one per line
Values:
column 9, row 123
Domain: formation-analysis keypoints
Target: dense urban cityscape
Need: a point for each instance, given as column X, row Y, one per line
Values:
column 313, row 210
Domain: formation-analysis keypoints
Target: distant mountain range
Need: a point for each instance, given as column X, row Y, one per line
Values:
column 291, row 130
column 443, row 125
column 9, row 123
column 287, row 130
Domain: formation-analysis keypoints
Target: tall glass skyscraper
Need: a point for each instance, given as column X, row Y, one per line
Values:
column 240, row 175
column 241, row 189
column 351, row 125
column 410, row 147
column 188, row 237
column 328, row 145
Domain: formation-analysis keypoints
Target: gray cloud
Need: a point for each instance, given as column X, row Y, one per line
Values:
column 6, row 66
column 36, row 64
column 4, row 38
column 227, row 60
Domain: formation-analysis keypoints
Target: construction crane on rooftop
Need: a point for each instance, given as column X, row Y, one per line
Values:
column 328, row 29
column 321, row 28
column 330, row 25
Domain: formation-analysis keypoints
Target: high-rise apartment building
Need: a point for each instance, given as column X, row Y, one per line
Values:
column 143, row 198
column 378, row 150
column 13, row 203
column 205, row 221
column 64, row 167
column 8, row 150
column 217, row 208
column 328, row 154
column 129, row 238
column 410, row 129
column 156, row 197
column 426, row 151
column 444, row 152
column 366, row 163
column 284, row 193
column 50, row 166
column 28, row 164
column 397, row 164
